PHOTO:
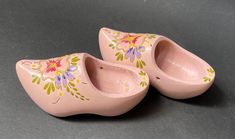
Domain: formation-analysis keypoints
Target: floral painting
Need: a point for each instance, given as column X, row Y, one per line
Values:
column 211, row 72
column 143, row 76
column 58, row 75
column 130, row 46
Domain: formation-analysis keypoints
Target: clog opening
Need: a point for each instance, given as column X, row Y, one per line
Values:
column 110, row 79
column 177, row 63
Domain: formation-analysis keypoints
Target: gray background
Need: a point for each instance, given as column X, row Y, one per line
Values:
column 50, row 28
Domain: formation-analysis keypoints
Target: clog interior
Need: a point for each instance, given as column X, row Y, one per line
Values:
column 111, row 79
column 178, row 63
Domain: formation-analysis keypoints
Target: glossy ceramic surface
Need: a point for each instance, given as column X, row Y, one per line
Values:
column 80, row 83
column 174, row 71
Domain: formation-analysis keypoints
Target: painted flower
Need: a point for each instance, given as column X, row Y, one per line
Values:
column 62, row 79
column 134, row 52
column 130, row 46
column 58, row 74
column 35, row 65
column 126, row 41
column 52, row 65
column 130, row 39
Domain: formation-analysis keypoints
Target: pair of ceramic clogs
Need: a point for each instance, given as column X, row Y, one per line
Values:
column 80, row 83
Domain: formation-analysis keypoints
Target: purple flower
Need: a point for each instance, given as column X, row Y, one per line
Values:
column 64, row 80
column 64, row 77
column 69, row 75
column 58, row 81
column 134, row 52
column 71, row 68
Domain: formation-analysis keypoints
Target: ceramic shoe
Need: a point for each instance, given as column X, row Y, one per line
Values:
column 80, row 83
column 174, row 71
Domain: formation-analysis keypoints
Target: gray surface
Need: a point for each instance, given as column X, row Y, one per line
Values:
column 49, row 28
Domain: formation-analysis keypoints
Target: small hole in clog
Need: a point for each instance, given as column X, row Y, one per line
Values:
column 158, row 78
column 101, row 67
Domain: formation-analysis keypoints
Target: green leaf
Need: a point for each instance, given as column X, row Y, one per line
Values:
column 207, row 79
column 143, row 83
column 52, row 87
column 210, row 70
column 143, row 63
column 74, row 64
column 38, row 82
column 75, row 89
column 117, row 53
column 141, row 66
column 72, row 84
column 72, row 93
column 151, row 36
column 75, row 59
column 122, row 57
column 115, row 41
column 111, row 45
column 67, row 88
column 46, row 86
column 49, row 90
column 137, row 64
column 35, row 79
column 142, row 73
column 119, row 56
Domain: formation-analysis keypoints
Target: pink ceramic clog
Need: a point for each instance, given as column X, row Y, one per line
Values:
column 80, row 83
column 174, row 71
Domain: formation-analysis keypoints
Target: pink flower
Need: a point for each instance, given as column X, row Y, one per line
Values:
column 131, row 39
column 52, row 65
